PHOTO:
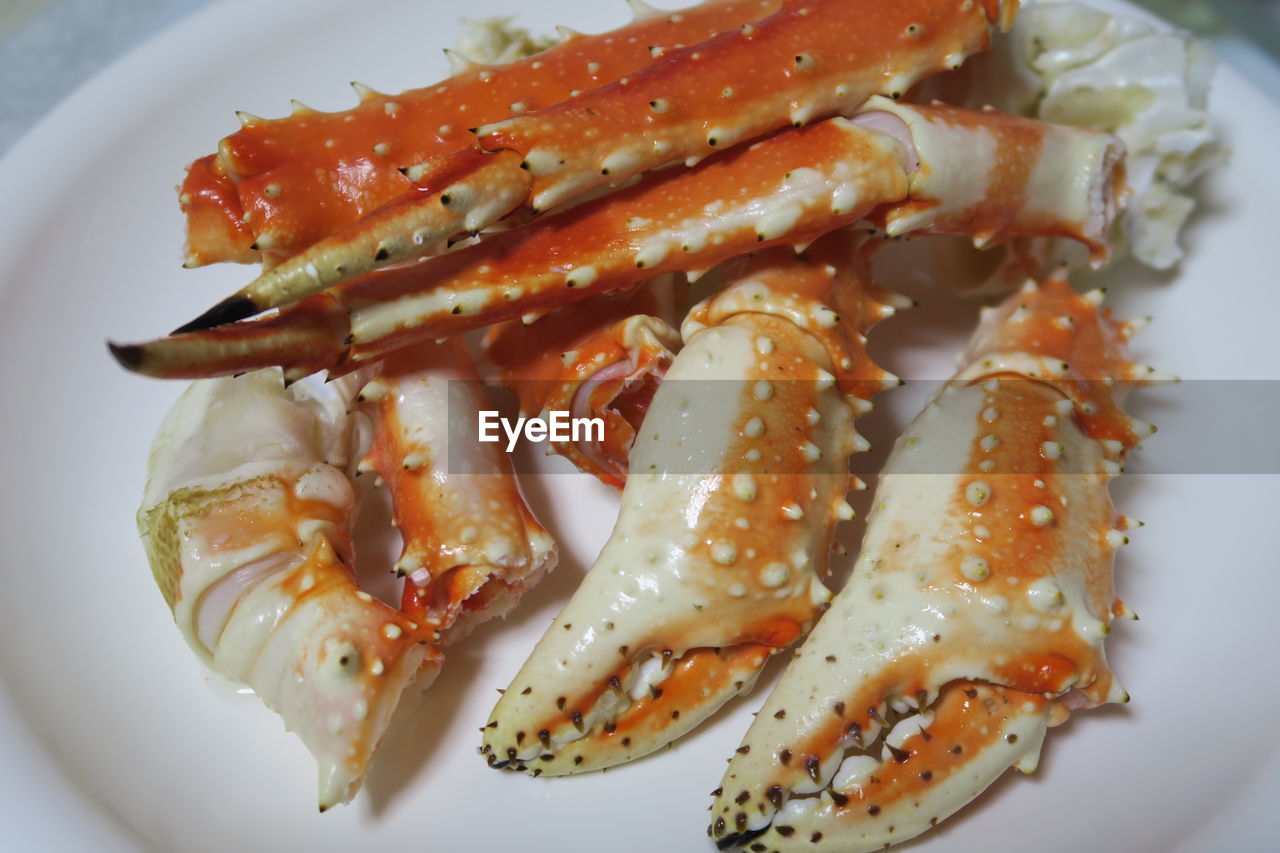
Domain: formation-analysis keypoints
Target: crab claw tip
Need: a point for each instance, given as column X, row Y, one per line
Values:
column 229, row 310
column 128, row 356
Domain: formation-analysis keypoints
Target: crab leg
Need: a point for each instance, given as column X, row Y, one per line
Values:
column 247, row 526
column 976, row 612
column 1017, row 178
column 601, row 357
column 308, row 175
column 809, row 59
column 471, row 544
column 736, row 482
column 463, row 191
column 891, row 161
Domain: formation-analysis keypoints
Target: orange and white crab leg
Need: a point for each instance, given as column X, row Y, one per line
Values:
column 602, row 358
column 472, row 546
column 247, row 526
column 1021, row 179
column 303, row 177
column 792, row 187
column 736, row 482
column 461, row 192
column 787, row 189
column 808, row 60
column 811, row 59
column 977, row 609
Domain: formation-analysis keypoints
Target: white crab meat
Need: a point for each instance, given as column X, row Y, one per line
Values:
column 246, row 523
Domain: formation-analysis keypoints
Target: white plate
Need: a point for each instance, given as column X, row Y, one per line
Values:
column 112, row 735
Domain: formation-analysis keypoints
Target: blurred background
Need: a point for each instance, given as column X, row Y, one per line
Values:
column 49, row 47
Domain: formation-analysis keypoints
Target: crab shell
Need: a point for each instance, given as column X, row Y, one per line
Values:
column 472, row 546
column 805, row 61
column 247, row 528
column 899, row 165
column 977, row 609
column 276, row 186
column 745, row 446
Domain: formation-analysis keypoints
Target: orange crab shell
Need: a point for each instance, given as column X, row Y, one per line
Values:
column 290, row 181
column 979, row 604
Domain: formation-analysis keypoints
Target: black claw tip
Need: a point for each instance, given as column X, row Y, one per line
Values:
column 229, row 310
column 128, row 356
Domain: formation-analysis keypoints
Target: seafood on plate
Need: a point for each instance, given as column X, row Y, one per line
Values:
column 799, row 62
column 907, row 168
column 636, row 620
column 977, row 609
column 472, row 546
column 323, row 199
column 552, row 200
column 247, row 522
column 737, row 479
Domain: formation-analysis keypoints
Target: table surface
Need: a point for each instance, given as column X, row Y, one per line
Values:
column 50, row 47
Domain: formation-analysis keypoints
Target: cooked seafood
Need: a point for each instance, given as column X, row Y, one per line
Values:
column 728, row 514
column 247, row 524
column 471, row 544
column 1147, row 83
column 276, row 186
column 930, row 170
column 807, row 60
column 525, row 198
column 977, row 609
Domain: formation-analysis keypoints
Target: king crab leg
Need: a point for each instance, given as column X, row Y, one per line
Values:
column 471, row 544
column 308, row 175
column 669, row 624
column 247, row 525
column 809, row 59
column 924, row 681
column 892, row 162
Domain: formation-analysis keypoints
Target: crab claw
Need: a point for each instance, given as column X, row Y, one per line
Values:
column 708, row 574
column 924, row 766
column 738, row 575
column 976, row 613
column 643, row 703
